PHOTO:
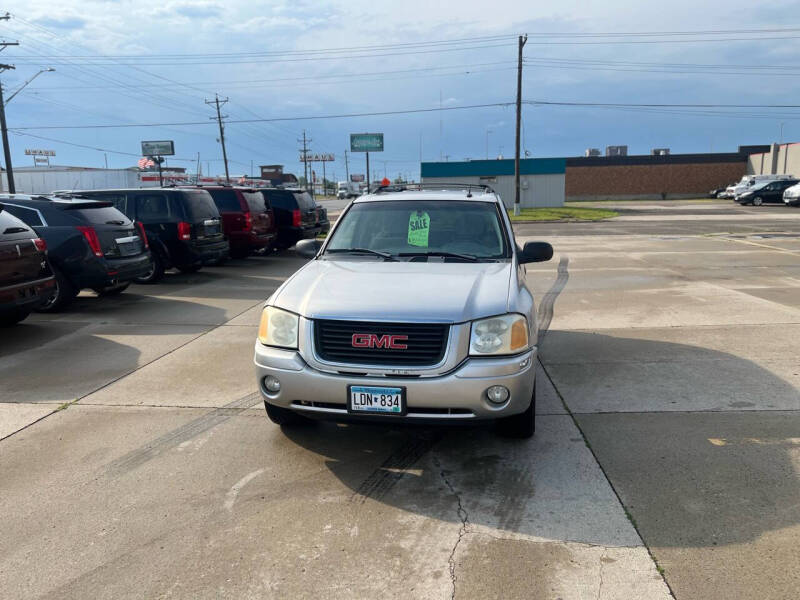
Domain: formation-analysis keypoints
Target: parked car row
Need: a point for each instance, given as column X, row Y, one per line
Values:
column 762, row 189
column 106, row 239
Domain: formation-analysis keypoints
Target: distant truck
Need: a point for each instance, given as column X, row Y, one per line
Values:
column 348, row 189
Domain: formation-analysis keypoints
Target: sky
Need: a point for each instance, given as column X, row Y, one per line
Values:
column 132, row 63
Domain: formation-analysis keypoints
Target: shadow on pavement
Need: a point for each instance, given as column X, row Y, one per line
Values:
column 690, row 479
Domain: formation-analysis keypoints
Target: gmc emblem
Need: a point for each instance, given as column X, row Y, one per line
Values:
column 373, row 340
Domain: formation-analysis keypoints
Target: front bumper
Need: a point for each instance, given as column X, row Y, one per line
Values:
column 458, row 395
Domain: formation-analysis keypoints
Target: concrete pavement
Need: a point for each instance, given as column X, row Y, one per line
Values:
column 667, row 425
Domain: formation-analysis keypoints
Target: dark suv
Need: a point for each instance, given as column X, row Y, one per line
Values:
column 91, row 244
column 25, row 277
column 182, row 225
column 247, row 219
column 297, row 214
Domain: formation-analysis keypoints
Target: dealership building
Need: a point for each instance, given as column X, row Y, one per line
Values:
column 541, row 179
column 547, row 182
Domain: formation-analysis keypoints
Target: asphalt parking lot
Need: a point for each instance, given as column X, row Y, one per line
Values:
column 136, row 459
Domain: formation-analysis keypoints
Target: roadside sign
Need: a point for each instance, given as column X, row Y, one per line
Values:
column 36, row 152
column 324, row 157
column 158, row 148
column 357, row 177
column 366, row 142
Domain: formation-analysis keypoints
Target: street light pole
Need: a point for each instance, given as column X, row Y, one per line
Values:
column 488, row 131
column 22, row 87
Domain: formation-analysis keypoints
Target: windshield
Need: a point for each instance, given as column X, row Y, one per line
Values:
column 408, row 229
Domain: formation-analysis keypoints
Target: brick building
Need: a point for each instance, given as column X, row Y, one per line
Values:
column 651, row 177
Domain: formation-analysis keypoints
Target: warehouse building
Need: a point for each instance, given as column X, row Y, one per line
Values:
column 541, row 179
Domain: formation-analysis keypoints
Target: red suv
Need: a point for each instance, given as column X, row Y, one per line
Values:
column 247, row 219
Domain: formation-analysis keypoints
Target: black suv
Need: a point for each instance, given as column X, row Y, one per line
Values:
column 25, row 277
column 297, row 214
column 91, row 244
column 183, row 226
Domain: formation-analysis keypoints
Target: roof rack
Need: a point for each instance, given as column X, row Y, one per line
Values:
column 402, row 187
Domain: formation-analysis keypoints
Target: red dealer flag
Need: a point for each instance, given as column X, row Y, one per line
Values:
column 145, row 163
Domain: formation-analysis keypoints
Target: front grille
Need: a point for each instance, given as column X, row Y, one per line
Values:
column 426, row 343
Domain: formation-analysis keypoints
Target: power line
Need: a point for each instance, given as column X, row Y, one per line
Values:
column 338, row 77
column 57, row 141
column 276, row 119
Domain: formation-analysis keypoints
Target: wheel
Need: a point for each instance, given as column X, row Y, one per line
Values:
column 284, row 416
column 189, row 268
column 63, row 293
column 758, row 201
column 522, row 425
column 156, row 272
column 13, row 317
column 111, row 291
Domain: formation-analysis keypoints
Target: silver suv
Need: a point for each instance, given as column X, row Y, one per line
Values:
column 415, row 308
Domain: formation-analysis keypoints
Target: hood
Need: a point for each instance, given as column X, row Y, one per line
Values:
column 397, row 291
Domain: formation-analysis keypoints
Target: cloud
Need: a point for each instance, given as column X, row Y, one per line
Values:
column 62, row 22
column 198, row 11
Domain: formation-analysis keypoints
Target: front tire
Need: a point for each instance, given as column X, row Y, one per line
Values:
column 284, row 416
column 521, row 426
column 155, row 274
column 63, row 294
column 758, row 201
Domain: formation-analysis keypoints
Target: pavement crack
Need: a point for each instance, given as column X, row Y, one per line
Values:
column 463, row 516
column 600, row 586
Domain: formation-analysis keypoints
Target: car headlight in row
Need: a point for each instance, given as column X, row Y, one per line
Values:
column 278, row 328
column 506, row 334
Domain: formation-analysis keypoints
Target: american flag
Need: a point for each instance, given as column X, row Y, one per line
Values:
column 145, row 163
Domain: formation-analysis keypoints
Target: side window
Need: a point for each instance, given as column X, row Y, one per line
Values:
column 175, row 209
column 152, row 207
column 26, row 215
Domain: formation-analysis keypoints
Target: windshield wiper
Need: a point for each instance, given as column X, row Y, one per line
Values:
column 115, row 222
column 383, row 255
column 468, row 257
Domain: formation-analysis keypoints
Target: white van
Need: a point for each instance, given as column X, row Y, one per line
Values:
column 750, row 180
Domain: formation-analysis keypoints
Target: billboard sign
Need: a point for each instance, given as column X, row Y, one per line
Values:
column 158, row 148
column 366, row 142
column 317, row 157
column 357, row 177
column 36, row 152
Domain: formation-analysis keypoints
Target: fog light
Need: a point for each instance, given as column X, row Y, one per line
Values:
column 272, row 384
column 497, row 394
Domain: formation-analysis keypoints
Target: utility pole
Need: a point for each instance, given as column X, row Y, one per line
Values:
column 3, row 127
column 346, row 166
column 219, row 118
column 522, row 40
column 306, row 141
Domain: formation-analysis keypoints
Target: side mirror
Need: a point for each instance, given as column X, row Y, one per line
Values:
column 308, row 248
column 535, row 252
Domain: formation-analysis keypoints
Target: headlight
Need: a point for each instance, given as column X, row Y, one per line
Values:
column 507, row 334
column 278, row 328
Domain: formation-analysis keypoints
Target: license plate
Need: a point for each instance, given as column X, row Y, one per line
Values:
column 376, row 400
